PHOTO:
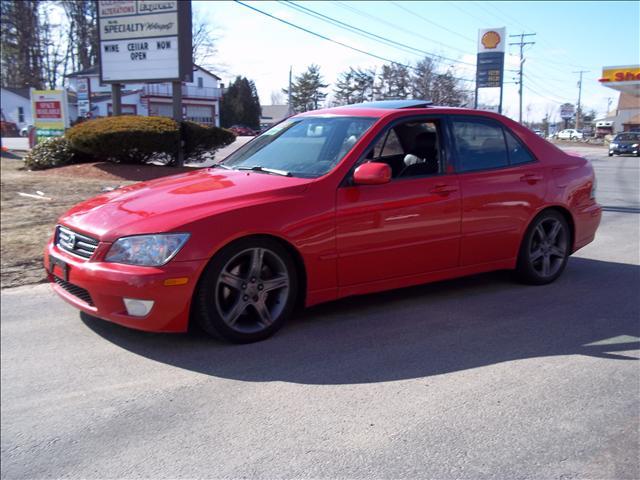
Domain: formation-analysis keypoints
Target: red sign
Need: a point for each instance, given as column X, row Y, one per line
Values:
column 48, row 110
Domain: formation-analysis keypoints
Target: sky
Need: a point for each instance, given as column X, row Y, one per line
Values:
column 570, row 36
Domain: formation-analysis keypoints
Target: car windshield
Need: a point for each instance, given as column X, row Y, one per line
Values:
column 627, row 137
column 301, row 147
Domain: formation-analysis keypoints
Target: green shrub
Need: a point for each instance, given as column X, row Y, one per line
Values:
column 53, row 152
column 126, row 139
column 134, row 139
column 199, row 139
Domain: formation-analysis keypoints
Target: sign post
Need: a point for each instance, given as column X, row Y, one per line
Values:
column 50, row 112
column 490, row 61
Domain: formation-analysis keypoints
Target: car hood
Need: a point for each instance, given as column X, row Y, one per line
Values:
column 169, row 203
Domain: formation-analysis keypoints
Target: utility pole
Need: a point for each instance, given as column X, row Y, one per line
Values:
column 579, row 109
column 522, row 44
column 289, row 92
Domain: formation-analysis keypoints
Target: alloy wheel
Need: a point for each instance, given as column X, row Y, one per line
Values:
column 548, row 248
column 252, row 290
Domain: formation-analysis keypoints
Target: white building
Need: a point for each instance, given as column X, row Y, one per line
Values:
column 15, row 106
column 200, row 98
column 272, row 114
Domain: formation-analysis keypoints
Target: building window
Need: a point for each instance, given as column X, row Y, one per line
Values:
column 20, row 114
column 200, row 83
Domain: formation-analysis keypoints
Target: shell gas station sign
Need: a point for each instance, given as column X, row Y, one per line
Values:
column 625, row 79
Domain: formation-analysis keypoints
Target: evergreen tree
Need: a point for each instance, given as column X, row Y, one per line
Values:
column 306, row 90
column 423, row 78
column 394, row 82
column 344, row 88
column 447, row 90
column 363, row 84
column 240, row 104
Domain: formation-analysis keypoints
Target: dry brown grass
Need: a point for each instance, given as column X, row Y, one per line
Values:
column 27, row 223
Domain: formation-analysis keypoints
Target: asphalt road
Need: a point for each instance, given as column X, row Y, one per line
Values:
column 473, row 378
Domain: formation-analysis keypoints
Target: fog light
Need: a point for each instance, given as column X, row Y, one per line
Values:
column 138, row 308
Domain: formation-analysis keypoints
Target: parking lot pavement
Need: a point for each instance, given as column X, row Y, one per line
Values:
column 473, row 378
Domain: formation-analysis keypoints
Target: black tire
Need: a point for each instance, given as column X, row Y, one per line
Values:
column 611, row 154
column 234, row 303
column 543, row 257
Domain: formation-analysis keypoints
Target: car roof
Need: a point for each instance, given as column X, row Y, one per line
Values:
column 383, row 108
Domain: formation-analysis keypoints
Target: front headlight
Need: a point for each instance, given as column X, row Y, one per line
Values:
column 146, row 250
column 614, row 145
column 635, row 145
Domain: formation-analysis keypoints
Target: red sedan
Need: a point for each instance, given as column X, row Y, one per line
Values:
column 331, row 203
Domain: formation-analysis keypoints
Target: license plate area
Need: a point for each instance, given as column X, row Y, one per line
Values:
column 59, row 268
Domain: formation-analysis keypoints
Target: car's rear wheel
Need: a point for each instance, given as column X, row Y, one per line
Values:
column 545, row 249
column 247, row 291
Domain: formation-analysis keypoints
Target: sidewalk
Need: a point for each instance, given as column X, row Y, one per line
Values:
column 16, row 143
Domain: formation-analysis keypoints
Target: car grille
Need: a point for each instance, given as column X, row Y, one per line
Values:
column 75, row 290
column 75, row 243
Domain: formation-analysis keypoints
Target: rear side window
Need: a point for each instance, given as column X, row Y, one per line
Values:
column 481, row 145
column 517, row 152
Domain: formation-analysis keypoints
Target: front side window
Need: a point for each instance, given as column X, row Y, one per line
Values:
column 302, row 147
column 481, row 145
column 411, row 149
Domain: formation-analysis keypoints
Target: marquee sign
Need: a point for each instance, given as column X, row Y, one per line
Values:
column 144, row 40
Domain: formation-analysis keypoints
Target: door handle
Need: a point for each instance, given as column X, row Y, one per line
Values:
column 443, row 189
column 531, row 178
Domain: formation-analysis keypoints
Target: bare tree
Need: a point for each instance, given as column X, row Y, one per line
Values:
column 82, row 16
column 53, row 51
column 277, row 98
column 204, row 39
column 21, row 57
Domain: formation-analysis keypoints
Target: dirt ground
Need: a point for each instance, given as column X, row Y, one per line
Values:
column 26, row 223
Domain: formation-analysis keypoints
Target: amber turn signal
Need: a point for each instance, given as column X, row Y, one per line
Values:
column 176, row 281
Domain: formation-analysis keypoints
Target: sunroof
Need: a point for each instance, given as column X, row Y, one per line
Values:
column 393, row 104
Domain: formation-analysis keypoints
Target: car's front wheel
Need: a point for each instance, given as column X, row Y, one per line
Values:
column 247, row 291
column 545, row 249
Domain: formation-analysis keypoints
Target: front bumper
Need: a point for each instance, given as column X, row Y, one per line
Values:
column 622, row 149
column 98, row 288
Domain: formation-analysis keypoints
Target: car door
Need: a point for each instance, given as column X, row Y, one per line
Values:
column 502, row 185
column 406, row 227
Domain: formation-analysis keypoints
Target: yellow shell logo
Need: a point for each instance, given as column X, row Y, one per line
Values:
column 490, row 40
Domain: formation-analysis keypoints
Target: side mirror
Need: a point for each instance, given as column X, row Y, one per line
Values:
column 373, row 173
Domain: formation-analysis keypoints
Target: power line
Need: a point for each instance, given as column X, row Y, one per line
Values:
column 334, row 41
column 546, row 93
column 431, row 22
column 361, row 32
column 403, row 30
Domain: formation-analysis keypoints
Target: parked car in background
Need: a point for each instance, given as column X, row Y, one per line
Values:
column 8, row 129
column 628, row 142
column 243, row 131
column 326, row 204
column 24, row 131
column 539, row 132
column 569, row 134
